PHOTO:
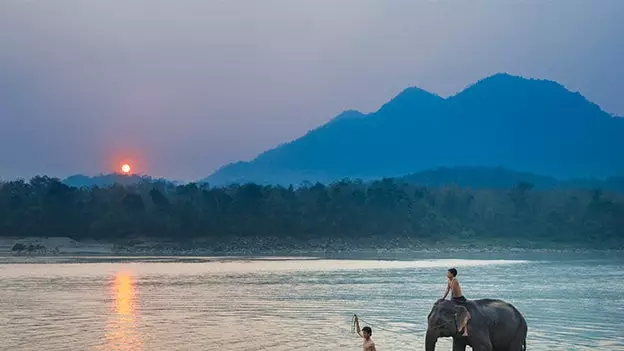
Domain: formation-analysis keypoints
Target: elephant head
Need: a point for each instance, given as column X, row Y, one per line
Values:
column 443, row 321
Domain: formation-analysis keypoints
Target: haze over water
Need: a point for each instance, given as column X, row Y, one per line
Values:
column 277, row 304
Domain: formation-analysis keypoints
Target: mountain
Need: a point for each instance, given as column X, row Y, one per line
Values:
column 537, row 126
column 105, row 180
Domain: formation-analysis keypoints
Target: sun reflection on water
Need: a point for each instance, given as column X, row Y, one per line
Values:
column 122, row 333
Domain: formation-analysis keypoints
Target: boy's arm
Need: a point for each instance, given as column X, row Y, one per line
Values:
column 448, row 289
column 373, row 348
column 357, row 327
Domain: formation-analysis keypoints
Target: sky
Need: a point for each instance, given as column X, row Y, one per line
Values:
column 179, row 88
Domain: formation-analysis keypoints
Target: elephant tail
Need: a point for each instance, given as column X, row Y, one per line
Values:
column 521, row 332
column 526, row 329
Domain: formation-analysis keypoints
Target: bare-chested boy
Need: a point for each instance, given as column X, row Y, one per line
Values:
column 456, row 296
column 366, row 334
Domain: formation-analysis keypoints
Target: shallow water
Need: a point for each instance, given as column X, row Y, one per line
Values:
column 283, row 304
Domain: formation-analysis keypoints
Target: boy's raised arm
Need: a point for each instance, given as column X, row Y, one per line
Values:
column 357, row 327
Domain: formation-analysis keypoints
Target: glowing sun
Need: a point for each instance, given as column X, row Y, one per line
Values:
column 126, row 168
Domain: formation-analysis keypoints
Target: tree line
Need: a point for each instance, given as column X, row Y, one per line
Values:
column 46, row 206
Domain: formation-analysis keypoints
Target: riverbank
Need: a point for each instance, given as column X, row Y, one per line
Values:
column 63, row 246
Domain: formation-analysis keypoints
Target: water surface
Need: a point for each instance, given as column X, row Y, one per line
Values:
column 284, row 304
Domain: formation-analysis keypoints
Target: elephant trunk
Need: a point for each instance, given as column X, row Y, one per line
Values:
column 430, row 340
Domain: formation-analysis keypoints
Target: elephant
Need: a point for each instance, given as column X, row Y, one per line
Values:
column 494, row 325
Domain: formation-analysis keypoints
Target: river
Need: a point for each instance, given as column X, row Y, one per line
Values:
column 281, row 304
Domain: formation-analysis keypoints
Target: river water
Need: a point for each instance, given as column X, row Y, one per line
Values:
column 294, row 304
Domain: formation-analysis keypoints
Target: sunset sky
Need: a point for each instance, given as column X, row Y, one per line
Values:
column 179, row 88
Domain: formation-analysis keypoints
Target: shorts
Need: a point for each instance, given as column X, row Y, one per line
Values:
column 458, row 299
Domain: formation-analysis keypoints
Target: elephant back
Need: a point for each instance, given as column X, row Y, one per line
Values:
column 502, row 318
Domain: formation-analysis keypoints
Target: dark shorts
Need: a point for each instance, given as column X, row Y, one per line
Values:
column 458, row 299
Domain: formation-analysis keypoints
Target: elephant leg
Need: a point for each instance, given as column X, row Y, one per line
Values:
column 517, row 345
column 519, row 340
column 482, row 345
column 459, row 345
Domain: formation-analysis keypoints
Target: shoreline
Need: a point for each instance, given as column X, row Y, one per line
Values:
column 66, row 247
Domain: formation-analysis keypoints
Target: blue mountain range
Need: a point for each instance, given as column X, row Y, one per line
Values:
column 503, row 121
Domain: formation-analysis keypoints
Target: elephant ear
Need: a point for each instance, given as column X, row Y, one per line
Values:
column 460, row 312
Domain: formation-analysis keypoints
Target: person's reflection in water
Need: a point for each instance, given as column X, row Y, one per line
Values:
column 122, row 333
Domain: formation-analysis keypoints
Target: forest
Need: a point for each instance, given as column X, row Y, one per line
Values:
column 347, row 209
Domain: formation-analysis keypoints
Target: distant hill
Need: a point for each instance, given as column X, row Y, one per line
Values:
column 464, row 177
column 479, row 178
column 505, row 121
column 104, row 180
column 501, row 178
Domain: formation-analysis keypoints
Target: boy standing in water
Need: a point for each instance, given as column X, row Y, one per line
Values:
column 456, row 296
column 366, row 334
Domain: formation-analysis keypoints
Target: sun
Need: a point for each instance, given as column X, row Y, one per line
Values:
column 126, row 168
